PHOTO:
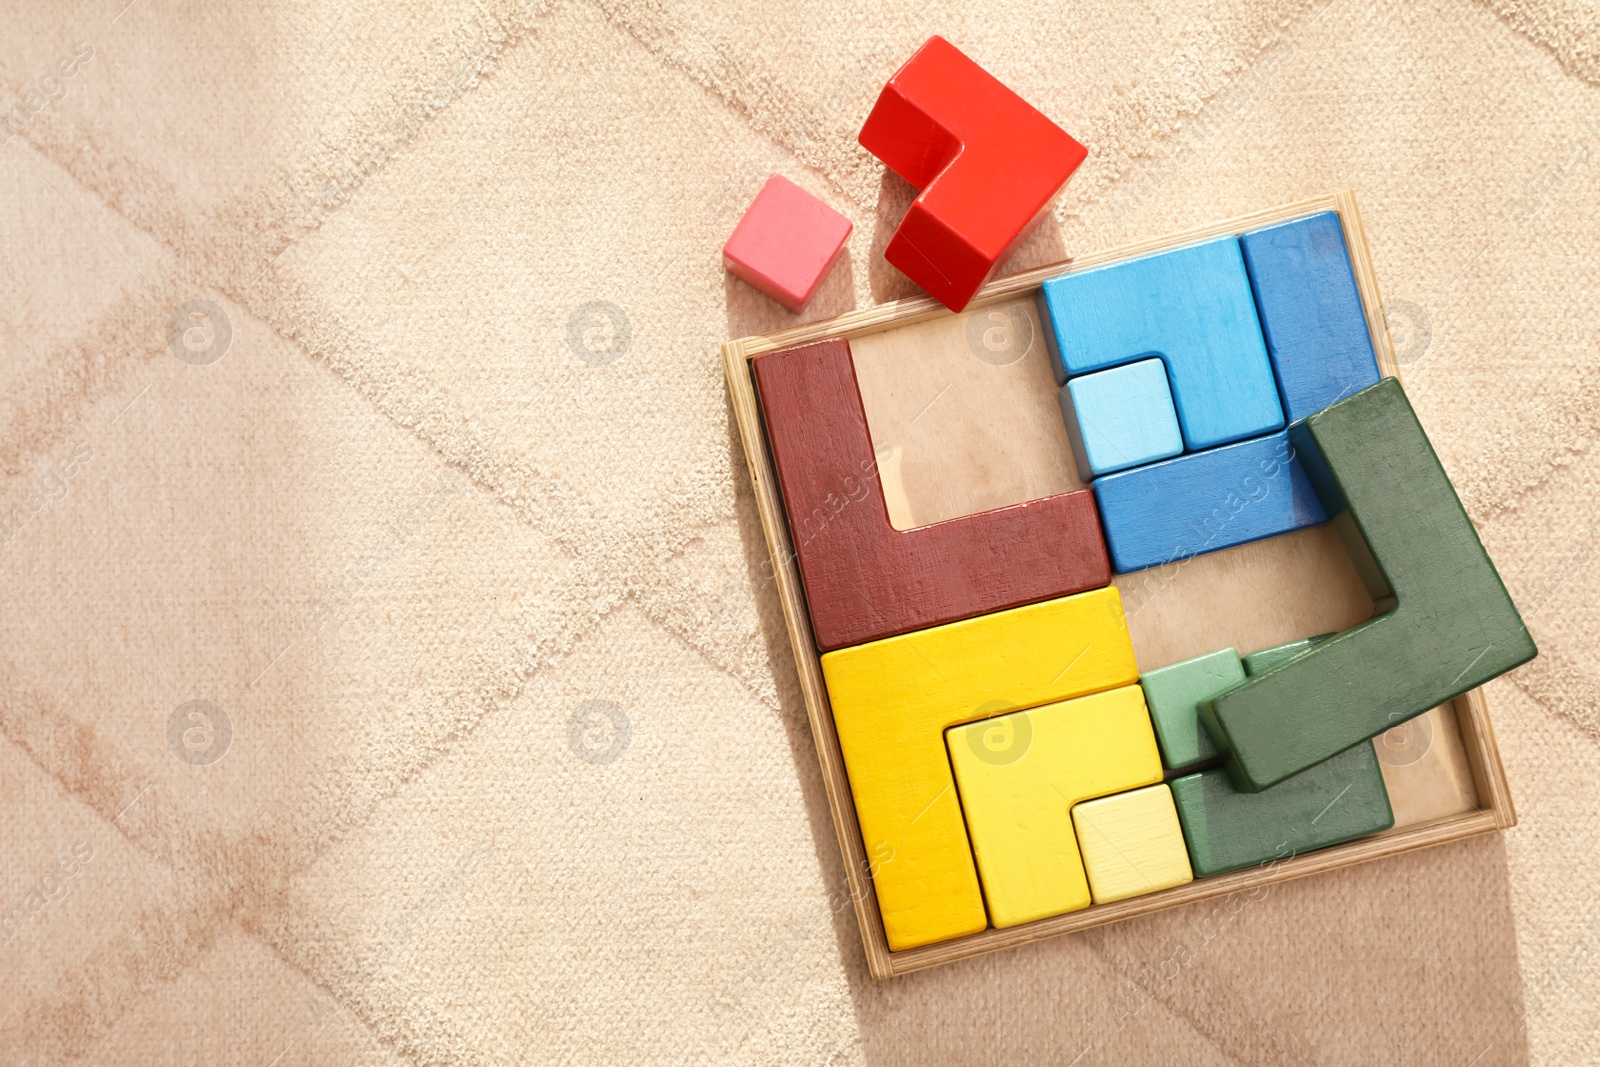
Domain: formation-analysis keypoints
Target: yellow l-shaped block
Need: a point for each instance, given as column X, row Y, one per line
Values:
column 1019, row 776
column 892, row 702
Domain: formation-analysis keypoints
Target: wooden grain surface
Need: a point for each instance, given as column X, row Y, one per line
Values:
column 963, row 414
column 1495, row 808
column 1426, row 770
column 1250, row 597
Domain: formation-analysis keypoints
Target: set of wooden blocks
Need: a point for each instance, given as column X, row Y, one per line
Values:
column 1000, row 762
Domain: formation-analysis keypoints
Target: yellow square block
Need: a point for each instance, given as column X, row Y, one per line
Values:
column 1132, row 844
column 892, row 701
column 1019, row 777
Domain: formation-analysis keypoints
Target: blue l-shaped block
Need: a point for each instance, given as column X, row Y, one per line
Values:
column 1194, row 309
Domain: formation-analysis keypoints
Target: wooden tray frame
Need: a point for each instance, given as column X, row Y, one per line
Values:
column 1495, row 810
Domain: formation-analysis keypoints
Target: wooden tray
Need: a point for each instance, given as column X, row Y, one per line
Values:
column 937, row 453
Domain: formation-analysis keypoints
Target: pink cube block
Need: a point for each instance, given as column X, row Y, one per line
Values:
column 786, row 243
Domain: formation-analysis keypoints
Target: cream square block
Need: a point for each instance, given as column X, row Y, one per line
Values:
column 1131, row 844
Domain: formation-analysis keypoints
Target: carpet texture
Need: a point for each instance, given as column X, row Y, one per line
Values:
column 388, row 676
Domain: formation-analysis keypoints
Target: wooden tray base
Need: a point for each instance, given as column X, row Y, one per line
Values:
column 963, row 416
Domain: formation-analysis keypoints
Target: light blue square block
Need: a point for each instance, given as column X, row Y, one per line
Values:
column 1121, row 418
column 1191, row 306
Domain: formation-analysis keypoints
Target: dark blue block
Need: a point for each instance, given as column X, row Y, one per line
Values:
column 1310, row 312
column 1205, row 501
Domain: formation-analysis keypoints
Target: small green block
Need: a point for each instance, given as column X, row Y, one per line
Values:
column 1337, row 800
column 1174, row 694
column 1268, row 658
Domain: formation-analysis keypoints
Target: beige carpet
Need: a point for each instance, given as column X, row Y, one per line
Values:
column 502, row 758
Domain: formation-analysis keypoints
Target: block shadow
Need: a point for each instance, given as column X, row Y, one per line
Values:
column 1411, row 959
column 750, row 311
column 792, row 706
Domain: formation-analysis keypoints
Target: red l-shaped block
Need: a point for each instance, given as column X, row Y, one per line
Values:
column 987, row 163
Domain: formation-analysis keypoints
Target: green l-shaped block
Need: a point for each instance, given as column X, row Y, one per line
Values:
column 1444, row 622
